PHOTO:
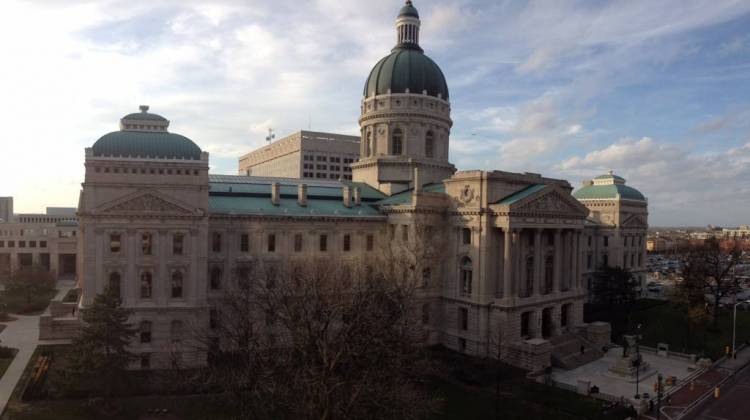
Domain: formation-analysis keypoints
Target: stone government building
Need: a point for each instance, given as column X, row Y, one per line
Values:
column 520, row 248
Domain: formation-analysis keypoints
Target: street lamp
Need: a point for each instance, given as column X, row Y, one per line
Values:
column 734, row 328
column 637, row 361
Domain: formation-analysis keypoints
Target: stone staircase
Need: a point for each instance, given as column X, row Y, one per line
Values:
column 566, row 351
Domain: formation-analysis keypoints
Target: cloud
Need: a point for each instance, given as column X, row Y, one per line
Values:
column 682, row 186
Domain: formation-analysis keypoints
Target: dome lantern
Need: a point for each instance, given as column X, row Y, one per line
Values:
column 407, row 27
column 407, row 69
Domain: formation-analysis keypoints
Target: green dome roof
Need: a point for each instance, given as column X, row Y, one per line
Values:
column 611, row 191
column 407, row 67
column 147, row 116
column 146, row 144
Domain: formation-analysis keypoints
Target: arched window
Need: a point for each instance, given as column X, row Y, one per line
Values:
column 114, row 283
column 529, row 277
column 177, row 284
column 146, row 284
column 429, row 145
column 145, row 331
column 397, row 142
column 466, row 276
column 215, row 278
column 175, row 331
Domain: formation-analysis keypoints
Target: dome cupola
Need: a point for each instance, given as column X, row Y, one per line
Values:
column 407, row 69
column 144, row 135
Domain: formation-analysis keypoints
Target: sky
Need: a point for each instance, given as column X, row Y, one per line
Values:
column 658, row 91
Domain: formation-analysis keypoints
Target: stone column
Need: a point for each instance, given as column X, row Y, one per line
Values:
column 537, row 261
column 517, row 277
column 130, row 280
column 557, row 261
column 574, row 261
column 163, row 281
column 507, row 263
column 99, row 270
column 193, row 293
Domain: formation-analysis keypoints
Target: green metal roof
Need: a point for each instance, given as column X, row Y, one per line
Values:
column 610, row 176
column 404, row 197
column 409, row 10
column 144, row 116
column 230, row 194
column 519, row 195
column 146, row 144
column 594, row 192
column 407, row 67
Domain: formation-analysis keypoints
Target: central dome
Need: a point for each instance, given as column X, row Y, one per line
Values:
column 406, row 68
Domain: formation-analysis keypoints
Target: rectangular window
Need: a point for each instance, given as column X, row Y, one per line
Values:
column 271, row 242
column 370, row 242
column 606, row 241
column 145, row 360
column 42, row 244
column 213, row 319
column 589, row 239
column 462, row 345
column 466, row 236
column 347, row 243
column 589, row 259
column 404, row 233
column 147, row 243
column 178, row 243
column 11, row 244
column 32, row 244
column 525, row 324
column 22, row 244
column 2, row 244
column 216, row 242
column 297, row 242
column 244, row 242
column 463, row 319
column 323, row 243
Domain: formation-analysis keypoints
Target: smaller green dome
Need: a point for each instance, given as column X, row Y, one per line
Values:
column 604, row 192
column 146, row 144
column 408, row 10
column 607, row 187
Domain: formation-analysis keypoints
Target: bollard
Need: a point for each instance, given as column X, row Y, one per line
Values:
column 716, row 392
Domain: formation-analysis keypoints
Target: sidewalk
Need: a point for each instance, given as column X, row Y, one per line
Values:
column 681, row 399
column 22, row 334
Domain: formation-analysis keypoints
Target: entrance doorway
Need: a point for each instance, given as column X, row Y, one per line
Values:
column 67, row 266
column 546, row 322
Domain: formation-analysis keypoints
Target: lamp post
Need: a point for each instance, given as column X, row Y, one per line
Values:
column 637, row 361
column 734, row 328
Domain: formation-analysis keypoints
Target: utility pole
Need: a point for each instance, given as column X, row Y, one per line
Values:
column 658, row 397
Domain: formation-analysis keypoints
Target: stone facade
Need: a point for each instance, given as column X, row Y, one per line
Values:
column 44, row 240
column 509, row 249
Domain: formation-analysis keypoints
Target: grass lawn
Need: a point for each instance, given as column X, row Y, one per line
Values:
column 464, row 387
column 667, row 324
column 662, row 322
column 15, row 304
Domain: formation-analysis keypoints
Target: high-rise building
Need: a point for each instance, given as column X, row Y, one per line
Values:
column 6, row 209
column 306, row 155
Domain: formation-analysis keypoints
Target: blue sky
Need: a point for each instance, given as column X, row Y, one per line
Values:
column 656, row 90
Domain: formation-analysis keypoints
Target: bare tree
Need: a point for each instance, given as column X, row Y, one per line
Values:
column 318, row 339
column 711, row 266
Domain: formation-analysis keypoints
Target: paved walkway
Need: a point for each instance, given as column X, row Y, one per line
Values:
column 22, row 334
column 704, row 385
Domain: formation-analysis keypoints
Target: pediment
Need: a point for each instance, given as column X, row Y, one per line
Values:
column 550, row 201
column 635, row 221
column 146, row 203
